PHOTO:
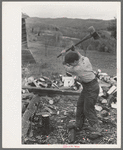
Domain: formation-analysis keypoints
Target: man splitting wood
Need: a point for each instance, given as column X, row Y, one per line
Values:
column 81, row 68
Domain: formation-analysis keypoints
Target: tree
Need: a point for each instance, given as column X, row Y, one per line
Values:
column 32, row 29
column 113, row 28
column 46, row 43
column 57, row 37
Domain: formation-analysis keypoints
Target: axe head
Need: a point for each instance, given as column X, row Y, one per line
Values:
column 93, row 33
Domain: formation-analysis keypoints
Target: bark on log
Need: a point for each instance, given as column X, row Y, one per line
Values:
column 27, row 96
column 50, row 91
column 29, row 113
column 24, row 106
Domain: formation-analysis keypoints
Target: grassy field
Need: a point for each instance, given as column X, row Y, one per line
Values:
column 51, row 65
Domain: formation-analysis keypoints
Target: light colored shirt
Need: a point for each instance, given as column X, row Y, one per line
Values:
column 83, row 70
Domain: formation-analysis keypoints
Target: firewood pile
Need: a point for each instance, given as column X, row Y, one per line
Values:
column 45, row 117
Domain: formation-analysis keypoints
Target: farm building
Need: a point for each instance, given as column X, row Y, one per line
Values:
column 27, row 56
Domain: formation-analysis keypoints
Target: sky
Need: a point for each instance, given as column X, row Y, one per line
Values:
column 82, row 10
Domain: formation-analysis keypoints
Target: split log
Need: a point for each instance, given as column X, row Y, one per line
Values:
column 27, row 101
column 29, row 113
column 24, row 106
column 50, row 91
column 104, row 113
column 27, row 96
column 107, row 120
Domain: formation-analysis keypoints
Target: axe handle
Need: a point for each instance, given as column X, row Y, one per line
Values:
column 85, row 38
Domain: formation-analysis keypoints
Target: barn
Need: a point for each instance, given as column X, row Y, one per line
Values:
column 27, row 56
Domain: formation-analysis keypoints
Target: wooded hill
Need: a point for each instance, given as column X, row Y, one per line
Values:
column 75, row 28
column 82, row 24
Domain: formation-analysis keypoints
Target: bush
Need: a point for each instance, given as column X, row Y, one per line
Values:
column 113, row 28
column 102, row 48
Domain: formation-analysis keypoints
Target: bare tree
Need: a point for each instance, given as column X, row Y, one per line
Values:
column 46, row 43
column 32, row 29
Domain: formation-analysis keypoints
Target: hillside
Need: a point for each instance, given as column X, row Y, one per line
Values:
column 68, row 22
column 43, row 29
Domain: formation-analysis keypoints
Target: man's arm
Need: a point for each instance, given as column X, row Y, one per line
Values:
column 68, row 68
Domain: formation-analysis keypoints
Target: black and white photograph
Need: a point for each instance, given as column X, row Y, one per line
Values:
column 68, row 56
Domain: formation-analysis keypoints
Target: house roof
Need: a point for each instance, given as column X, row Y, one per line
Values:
column 25, row 16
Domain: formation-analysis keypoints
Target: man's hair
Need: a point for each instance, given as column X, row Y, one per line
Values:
column 71, row 57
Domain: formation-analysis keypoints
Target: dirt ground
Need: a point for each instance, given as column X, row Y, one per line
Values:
column 64, row 111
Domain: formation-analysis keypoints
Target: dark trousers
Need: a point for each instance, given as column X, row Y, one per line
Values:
column 86, row 102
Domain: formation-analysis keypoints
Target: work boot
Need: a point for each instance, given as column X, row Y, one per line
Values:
column 79, row 123
column 96, row 131
column 73, row 125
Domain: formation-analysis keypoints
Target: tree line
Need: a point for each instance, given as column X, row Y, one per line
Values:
column 53, row 36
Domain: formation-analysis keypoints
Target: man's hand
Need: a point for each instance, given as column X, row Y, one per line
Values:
column 73, row 48
column 76, row 78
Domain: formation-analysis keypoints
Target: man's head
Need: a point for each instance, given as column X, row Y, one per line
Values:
column 71, row 58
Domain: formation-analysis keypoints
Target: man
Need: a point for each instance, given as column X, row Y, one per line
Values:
column 80, row 67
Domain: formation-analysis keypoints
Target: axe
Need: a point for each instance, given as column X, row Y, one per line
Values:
column 93, row 34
